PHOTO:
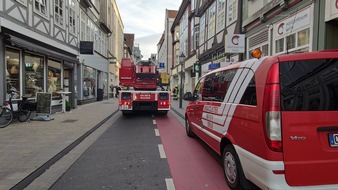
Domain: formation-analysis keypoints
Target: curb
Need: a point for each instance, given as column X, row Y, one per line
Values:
column 39, row 171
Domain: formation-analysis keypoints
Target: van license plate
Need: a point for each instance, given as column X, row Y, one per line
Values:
column 124, row 107
column 333, row 138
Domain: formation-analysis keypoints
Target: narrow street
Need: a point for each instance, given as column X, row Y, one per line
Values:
column 144, row 152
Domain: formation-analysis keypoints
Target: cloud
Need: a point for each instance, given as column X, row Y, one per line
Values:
column 145, row 19
column 148, row 44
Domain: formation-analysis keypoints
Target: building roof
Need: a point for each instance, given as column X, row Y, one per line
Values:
column 161, row 40
column 172, row 13
column 129, row 38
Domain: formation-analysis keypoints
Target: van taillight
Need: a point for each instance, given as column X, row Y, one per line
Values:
column 272, row 114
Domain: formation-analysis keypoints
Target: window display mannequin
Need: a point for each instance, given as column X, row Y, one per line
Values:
column 51, row 82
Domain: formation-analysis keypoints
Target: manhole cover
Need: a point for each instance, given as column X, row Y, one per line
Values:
column 69, row 121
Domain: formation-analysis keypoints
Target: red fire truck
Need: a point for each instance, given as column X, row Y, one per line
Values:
column 140, row 89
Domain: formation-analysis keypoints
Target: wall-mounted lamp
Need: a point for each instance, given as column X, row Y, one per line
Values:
column 112, row 60
column 284, row 5
column 262, row 18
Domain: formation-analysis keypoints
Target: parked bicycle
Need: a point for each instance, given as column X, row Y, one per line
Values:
column 7, row 113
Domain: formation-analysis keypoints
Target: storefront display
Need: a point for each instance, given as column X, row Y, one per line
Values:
column 34, row 78
column 89, row 82
column 13, row 71
column 54, row 78
column 104, row 83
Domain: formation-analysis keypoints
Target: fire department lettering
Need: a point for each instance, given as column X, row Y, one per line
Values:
column 145, row 96
column 210, row 109
column 210, row 117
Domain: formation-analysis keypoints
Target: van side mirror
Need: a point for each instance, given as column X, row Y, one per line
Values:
column 188, row 96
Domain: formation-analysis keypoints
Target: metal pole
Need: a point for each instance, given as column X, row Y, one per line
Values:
column 181, row 88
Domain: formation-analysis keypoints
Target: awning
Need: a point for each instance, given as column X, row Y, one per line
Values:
column 47, row 50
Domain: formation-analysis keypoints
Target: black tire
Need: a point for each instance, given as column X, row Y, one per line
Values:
column 6, row 117
column 125, row 113
column 24, row 115
column 187, row 128
column 233, row 171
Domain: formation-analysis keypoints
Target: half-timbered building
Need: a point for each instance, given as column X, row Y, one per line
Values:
column 39, row 47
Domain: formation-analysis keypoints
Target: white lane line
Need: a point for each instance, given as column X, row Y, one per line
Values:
column 157, row 132
column 161, row 150
column 170, row 183
column 154, row 122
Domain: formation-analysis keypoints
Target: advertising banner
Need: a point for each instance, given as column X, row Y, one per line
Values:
column 234, row 43
column 293, row 23
column 331, row 10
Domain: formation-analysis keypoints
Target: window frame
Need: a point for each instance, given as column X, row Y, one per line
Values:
column 212, row 21
column 232, row 11
column 220, row 15
column 59, row 12
column 39, row 10
column 72, row 16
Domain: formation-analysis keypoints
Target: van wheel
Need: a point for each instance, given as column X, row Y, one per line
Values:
column 233, row 171
column 187, row 128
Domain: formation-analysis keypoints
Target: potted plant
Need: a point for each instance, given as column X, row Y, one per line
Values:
column 68, row 105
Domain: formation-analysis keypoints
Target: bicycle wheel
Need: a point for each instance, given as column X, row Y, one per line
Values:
column 24, row 115
column 6, row 117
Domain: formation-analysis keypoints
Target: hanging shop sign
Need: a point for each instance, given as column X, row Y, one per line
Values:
column 162, row 65
column 293, row 23
column 87, row 47
column 165, row 78
column 331, row 10
column 234, row 43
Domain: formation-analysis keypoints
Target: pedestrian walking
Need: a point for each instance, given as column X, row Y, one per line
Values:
column 117, row 91
column 114, row 91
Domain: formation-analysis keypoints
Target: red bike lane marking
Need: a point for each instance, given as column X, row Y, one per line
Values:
column 191, row 165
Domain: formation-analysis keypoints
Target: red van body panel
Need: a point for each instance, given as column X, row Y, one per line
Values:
column 306, row 160
column 307, row 152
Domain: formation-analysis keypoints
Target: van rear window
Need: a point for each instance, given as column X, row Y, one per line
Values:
column 309, row 85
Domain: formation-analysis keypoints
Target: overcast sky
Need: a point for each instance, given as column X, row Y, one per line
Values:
column 145, row 19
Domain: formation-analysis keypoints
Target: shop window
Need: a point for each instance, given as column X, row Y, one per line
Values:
column 104, row 83
column 280, row 45
column 54, row 78
column 291, row 41
column 89, row 82
column 34, row 78
column 13, row 71
column 304, row 37
column 265, row 50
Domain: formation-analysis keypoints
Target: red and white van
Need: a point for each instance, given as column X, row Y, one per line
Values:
column 274, row 120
